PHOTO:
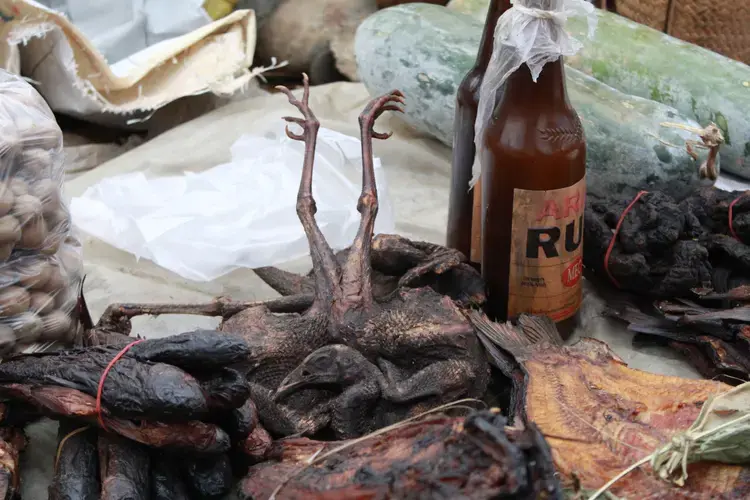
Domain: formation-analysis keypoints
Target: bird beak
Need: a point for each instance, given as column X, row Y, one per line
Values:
column 298, row 379
column 285, row 389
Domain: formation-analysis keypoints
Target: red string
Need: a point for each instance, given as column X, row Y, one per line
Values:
column 104, row 377
column 614, row 236
column 731, row 216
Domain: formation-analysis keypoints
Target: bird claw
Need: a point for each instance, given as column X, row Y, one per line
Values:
column 381, row 135
column 309, row 122
column 292, row 135
column 388, row 102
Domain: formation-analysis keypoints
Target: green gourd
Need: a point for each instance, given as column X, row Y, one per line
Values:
column 641, row 61
column 425, row 51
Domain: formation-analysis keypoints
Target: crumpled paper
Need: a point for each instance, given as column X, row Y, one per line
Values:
column 240, row 214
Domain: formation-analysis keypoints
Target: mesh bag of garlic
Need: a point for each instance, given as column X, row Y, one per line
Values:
column 40, row 259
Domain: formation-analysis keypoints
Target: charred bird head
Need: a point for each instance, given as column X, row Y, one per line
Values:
column 333, row 365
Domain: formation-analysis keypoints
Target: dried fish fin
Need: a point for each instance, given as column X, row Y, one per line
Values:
column 502, row 335
column 539, row 329
column 531, row 330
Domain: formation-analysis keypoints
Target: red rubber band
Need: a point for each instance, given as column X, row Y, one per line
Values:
column 731, row 215
column 614, row 237
column 104, row 377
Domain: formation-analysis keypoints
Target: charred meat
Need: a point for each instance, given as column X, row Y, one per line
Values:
column 440, row 457
column 409, row 324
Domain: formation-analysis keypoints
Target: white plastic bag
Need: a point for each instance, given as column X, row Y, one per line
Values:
column 239, row 214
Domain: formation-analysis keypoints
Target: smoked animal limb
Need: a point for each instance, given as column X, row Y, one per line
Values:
column 357, row 273
column 353, row 283
column 193, row 436
column 117, row 316
column 397, row 262
column 712, row 138
column 400, row 325
column 327, row 271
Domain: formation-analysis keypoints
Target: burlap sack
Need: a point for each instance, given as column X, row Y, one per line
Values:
column 75, row 79
column 723, row 27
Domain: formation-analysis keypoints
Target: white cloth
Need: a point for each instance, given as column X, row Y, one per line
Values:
column 120, row 28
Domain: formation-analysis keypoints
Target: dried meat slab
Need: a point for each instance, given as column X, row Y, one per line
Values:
column 193, row 436
column 76, row 464
column 440, row 457
column 715, row 341
column 599, row 417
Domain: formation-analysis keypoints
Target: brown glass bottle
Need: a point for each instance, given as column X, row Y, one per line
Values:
column 461, row 204
column 533, row 182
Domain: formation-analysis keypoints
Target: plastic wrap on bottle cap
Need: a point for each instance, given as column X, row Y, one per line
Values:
column 40, row 260
column 530, row 32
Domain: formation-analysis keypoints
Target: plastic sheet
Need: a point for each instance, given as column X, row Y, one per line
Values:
column 40, row 261
column 239, row 214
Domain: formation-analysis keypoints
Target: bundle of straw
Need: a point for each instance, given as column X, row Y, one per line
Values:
column 721, row 433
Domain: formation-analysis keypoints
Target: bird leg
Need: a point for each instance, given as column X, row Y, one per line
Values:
column 356, row 277
column 353, row 409
column 420, row 264
column 326, row 269
column 440, row 262
column 284, row 282
column 116, row 317
column 284, row 421
column 398, row 262
column 440, row 379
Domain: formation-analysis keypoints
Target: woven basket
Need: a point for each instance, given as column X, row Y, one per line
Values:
column 723, row 27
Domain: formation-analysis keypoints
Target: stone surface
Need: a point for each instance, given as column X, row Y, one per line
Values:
column 315, row 37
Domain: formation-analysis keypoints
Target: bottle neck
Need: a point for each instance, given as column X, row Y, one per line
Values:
column 549, row 89
column 496, row 9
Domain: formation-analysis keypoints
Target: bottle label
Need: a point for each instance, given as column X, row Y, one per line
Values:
column 546, row 251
